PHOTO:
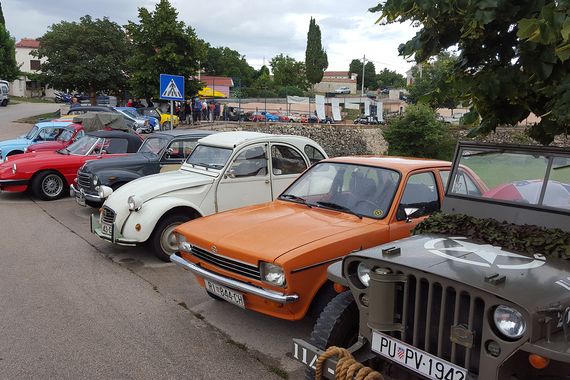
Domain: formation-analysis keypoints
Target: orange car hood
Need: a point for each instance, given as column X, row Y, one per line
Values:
column 265, row 232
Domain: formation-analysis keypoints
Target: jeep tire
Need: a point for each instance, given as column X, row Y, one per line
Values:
column 336, row 326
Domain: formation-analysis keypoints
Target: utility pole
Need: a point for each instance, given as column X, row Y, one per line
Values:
column 363, row 66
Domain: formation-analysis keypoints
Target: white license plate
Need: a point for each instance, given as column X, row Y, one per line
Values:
column 417, row 360
column 225, row 293
column 107, row 229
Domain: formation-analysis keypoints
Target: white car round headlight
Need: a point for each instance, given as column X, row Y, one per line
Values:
column 135, row 203
column 510, row 322
column 272, row 274
column 363, row 273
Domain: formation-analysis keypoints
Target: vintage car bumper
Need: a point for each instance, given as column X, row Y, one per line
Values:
column 114, row 236
column 81, row 196
column 237, row 285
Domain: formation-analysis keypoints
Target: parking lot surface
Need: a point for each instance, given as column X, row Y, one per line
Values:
column 74, row 305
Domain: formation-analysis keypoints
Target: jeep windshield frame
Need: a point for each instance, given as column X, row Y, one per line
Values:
column 524, row 187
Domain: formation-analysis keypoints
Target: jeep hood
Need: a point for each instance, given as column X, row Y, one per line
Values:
column 152, row 186
column 529, row 281
column 267, row 231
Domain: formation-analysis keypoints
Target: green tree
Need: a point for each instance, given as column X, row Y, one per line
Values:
column 2, row 21
column 88, row 56
column 355, row 67
column 390, row 79
column 513, row 56
column 227, row 62
column 9, row 69
column 288, row 72
column 162, row 44
column 433, row 83
column 418, row 133
column 316, row 61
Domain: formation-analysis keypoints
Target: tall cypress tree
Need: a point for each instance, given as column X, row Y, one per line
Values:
column 9, row 69
column 316, row 60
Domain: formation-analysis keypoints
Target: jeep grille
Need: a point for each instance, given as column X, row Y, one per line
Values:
column 247, row 270
column 108, row 215
column 84, row 180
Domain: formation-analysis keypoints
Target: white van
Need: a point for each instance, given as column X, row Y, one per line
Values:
column 4, row 98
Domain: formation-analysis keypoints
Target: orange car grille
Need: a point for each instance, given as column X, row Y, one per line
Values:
column 247, row 270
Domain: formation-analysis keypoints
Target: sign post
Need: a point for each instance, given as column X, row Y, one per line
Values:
column 171, row 88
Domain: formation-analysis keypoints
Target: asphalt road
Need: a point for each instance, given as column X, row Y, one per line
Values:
column 72, row 305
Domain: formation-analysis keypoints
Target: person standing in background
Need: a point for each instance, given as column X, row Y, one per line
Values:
column 187, row 112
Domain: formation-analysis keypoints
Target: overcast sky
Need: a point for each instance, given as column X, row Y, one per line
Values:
column 255, row 28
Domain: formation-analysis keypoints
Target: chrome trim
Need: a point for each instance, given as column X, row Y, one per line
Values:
column 77, row 193
column 240, row 286
column 253, row 266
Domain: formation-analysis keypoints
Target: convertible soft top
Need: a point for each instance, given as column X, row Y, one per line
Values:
column 134, row 140
column 94, row 121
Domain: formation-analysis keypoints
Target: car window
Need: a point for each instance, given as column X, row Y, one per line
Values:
column 314, row 154
column 420, row 193
column 286, row 160
column 464, row 184
column 557, row 192
column 64, row 135
column 47, row 134
column 82, row 146
column 79, row 135
column 444, row 176
column 250, row 162
column 110, row 146
column 179, row 150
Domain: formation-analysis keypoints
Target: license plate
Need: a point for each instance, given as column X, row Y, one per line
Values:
column 225, row 293
column 107, row 229
column 417, row 360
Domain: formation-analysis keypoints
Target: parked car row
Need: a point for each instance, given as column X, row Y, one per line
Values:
column 270, row 224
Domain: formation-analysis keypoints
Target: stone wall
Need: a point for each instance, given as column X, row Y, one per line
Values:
column 347, row 140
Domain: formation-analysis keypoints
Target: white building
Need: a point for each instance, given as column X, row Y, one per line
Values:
column 24, row 86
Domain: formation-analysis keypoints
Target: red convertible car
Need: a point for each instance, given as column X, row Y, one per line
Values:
column 48, row 174
column 65, row 138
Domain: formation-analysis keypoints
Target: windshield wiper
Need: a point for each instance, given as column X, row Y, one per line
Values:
column 561, row 167
column 336, row 206
column 295, row 198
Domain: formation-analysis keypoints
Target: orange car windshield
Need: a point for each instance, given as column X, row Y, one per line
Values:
column 357, row 189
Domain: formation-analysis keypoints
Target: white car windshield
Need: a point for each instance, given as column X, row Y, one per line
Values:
column 153, row 145
column 82, row 146
column 356, row 189
column 131, row 114
column 209, row 156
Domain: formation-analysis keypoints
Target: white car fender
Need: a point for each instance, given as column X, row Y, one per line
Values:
column 149, row 215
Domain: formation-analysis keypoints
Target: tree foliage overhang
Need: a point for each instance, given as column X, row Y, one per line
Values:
column 514, row 56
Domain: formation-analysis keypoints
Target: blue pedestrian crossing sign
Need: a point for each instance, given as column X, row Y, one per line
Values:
column 171, row 87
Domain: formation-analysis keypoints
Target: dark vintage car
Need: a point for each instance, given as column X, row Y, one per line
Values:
column 161, row 152
column 368, row 120
column 49, row 174
column 482, row 291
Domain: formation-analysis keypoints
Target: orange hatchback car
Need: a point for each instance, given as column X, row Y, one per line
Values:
column 272, row 258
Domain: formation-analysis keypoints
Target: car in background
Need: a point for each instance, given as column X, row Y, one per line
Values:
column 326, row 120
column 163, row 118
column 226, row 170
column 256, row 116
column 272, row 258
column 4, row 97
column 66, row 137
column 342, row 90
column 49, row 174
column 141, row 123
column 269, row 116
column 160, row 152
column 310, row 119
column 42, row 131
column 368, row 120
column 234, row 114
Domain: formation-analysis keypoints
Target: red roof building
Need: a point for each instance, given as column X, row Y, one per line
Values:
column 29, row 43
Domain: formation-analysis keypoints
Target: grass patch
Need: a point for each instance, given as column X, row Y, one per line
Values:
column 36, row 118
column 22, row 99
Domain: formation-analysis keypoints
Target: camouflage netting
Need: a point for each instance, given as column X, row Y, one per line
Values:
column 524, row 239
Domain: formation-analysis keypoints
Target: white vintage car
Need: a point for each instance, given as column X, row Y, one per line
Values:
column 225, row 171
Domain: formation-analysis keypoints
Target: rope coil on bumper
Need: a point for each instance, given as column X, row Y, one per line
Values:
column 347, row 367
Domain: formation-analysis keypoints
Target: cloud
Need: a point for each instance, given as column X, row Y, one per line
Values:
column 257, row 29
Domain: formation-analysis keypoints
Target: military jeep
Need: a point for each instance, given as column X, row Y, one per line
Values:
column 482, row 291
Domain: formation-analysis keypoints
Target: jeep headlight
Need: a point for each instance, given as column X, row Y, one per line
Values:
column 363, row 273
column 510, row 322
column 95, row 180
column 135, row 203
column 272, row 274
column 183, row 245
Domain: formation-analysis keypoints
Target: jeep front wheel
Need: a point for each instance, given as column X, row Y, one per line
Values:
column 163, row 241
column 336, row 326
